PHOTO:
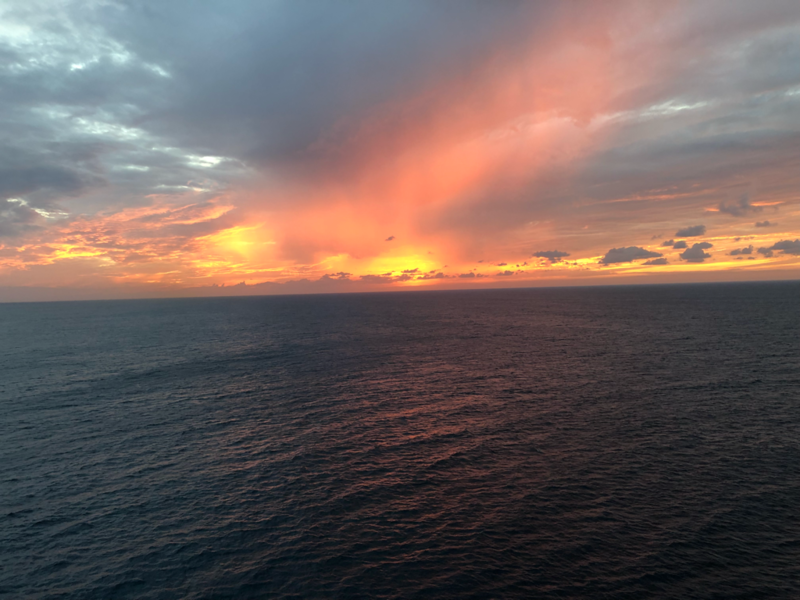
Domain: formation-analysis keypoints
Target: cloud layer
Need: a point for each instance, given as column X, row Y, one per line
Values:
column 183, row 145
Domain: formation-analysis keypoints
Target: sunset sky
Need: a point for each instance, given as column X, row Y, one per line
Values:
column 173, row 148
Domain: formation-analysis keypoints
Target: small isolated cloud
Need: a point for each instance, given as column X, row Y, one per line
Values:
column 551, row 255
column 679, row 245
column 501, row 264
column 784, row 246
column 409, row 271
column 656, row 261
column 765, row 224
column 740, row 208
column 466, row 275
column 389, row 239
column 668, row 243
column 623, row 255
column 693, row 231
column 738, row 251
column 696, row 253
column 505, row 273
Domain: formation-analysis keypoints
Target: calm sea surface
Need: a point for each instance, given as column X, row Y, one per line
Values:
column 631, row 442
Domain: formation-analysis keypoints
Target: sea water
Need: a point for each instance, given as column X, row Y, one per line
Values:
column 620, row 442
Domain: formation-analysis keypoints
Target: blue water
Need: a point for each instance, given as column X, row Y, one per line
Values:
column 631, row 442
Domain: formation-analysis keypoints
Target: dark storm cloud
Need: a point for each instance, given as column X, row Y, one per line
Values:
column 693, row 231
column 740, row 208
column 629, row 254
column 551, row 255
column 696, row 254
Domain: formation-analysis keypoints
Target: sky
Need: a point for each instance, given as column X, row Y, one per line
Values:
column 192, row 148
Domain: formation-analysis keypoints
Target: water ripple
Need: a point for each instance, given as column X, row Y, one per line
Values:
column 595, row 443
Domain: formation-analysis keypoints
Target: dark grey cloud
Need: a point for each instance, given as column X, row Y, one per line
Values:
column 20, row 175
column 693, row 231
column 656, row 261
column 785, row 247
column 505, row 273
column 262, row 81
column 267, row 79
column 389, row 239
column 438, row 275
column 551, row 255
column 341, row 275
column 764, row 224
column 74, row 102
column 696, row 254
column 629, row 254
column 667, row 243
column 680, row 244
column 738, row 251
column 17, row 217
column 740, row 208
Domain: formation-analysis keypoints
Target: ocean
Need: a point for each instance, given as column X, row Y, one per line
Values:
column 616, row 442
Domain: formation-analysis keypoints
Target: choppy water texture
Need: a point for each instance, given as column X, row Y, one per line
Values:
column 587, row 443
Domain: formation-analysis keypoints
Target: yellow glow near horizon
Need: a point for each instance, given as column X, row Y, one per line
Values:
column 246, row 240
